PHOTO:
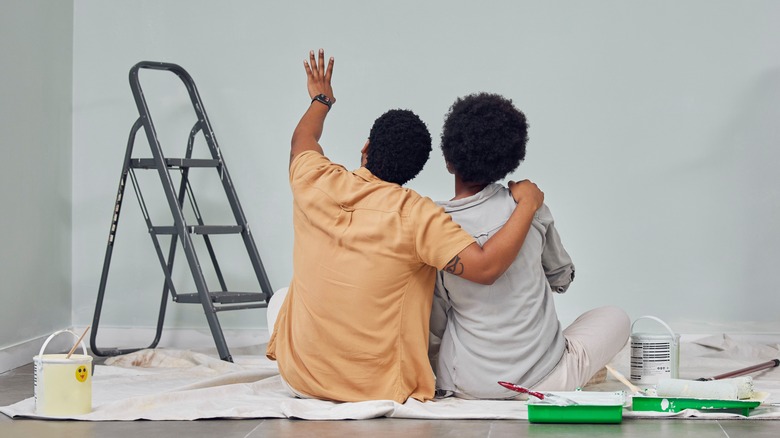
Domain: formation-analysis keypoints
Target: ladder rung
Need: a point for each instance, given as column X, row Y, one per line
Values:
column 202, row 229
column 181, row 163
column 224, row 297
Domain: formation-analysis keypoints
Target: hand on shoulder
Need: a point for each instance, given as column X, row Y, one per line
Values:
column 526, row 192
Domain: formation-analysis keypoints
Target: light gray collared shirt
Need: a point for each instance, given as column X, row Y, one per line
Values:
column 509, row 330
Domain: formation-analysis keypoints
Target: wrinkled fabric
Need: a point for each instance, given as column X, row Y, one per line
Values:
column 183, row 385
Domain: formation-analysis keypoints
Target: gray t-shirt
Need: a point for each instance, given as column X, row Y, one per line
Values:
column 509, row 330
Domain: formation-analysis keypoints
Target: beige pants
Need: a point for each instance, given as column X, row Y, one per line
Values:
column 592, row 340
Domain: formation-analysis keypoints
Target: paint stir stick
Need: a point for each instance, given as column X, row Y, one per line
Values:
column 77, row 343
column 633, row 388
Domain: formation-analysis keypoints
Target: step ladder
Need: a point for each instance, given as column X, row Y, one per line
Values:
column 181, row 230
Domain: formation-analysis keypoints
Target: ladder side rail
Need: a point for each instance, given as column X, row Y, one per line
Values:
column 162, row 170
column 257, row 264
column 109, row 252
column 238, row 212
column 178, row 217
column 227, row 183
column 246, row 233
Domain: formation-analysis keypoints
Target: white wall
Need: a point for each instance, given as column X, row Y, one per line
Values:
column 654, row 131
column 35, row 175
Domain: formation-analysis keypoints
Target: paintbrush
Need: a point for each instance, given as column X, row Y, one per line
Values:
column 77, row 343
column 545, row 396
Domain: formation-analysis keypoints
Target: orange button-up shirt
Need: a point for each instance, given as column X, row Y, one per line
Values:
column 354, row 325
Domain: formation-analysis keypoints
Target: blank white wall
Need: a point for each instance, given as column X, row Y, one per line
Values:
column 653, row 134
column 35, row 179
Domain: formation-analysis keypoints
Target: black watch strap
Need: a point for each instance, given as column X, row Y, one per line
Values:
column 325, row 100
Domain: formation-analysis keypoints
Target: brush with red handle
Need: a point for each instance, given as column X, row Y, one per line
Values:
column 552, row 398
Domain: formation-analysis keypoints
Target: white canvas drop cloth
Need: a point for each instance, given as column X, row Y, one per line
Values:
column 184, row 385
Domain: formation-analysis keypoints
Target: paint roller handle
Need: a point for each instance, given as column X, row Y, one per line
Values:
column 741, row 372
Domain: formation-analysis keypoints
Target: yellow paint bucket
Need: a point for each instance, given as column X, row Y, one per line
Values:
column 63, row 386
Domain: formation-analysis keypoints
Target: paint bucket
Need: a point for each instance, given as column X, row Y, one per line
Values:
column 63, row 387
column 654, row 356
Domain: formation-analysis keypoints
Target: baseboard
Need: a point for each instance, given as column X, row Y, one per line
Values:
column 183, row 338
column 22, row 353
column 200, row 339
column 190, row 339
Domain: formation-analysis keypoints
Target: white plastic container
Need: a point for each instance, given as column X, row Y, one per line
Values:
column 654, row 356
column 63, row 387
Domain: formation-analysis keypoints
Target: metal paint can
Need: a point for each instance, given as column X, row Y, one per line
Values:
column 654, row 356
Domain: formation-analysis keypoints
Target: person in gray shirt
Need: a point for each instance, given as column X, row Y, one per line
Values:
column 508, row 331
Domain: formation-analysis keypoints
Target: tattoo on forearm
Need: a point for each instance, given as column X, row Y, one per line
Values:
column 454, row 267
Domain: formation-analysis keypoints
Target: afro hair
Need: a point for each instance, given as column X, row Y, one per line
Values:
column 399, row 146
column 484, row 137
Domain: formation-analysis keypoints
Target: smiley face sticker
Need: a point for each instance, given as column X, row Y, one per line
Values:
column 82, row 373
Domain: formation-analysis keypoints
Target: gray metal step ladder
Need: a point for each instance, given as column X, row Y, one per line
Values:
column 212, row 301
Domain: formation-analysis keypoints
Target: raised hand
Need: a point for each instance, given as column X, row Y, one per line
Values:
column 318, row 75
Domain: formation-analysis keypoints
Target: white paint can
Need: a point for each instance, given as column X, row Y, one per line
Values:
column 63, row 386
column 654, row 356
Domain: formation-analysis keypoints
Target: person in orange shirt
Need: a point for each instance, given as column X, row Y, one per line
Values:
column 353, row 323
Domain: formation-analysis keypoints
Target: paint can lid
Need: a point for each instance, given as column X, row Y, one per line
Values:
column 61, row 358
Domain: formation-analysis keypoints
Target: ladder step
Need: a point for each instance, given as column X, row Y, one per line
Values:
column 202, row 229
column 224, row 297
column 180, row 163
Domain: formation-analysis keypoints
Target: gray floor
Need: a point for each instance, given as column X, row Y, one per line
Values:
column 17, row 385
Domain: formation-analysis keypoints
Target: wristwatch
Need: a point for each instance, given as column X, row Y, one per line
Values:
column 321, row 98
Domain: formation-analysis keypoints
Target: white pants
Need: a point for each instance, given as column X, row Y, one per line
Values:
column 592, row 340
column 273, row 308
column 274, row 305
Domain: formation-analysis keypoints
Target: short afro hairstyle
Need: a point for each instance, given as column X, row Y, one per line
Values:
column 484, row 137
column 399, row 146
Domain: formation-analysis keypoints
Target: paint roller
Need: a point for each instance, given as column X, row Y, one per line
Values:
column 726, row 386
column 738, row 388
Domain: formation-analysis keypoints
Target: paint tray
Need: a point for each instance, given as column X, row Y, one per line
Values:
column 591, row 407
column 677, row 404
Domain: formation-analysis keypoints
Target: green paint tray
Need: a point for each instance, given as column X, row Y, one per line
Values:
column 591, row 407
column 677, row 404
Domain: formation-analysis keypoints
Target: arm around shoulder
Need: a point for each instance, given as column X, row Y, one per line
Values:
column 487, row 263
